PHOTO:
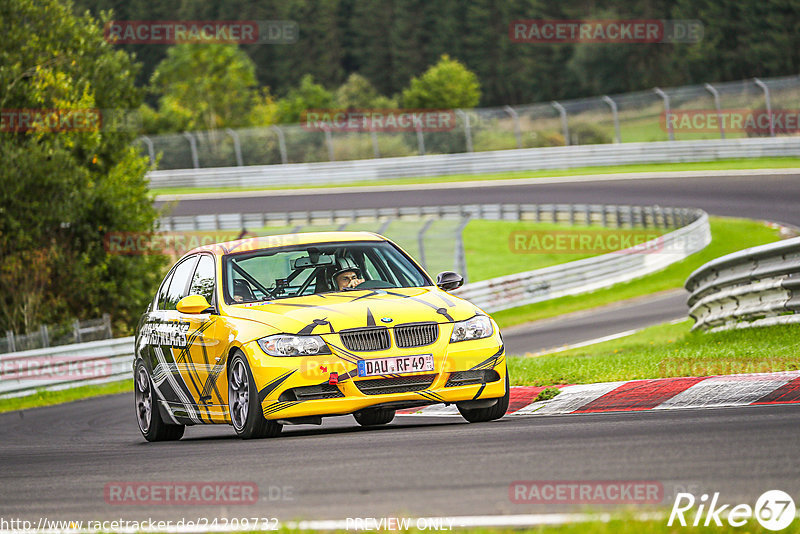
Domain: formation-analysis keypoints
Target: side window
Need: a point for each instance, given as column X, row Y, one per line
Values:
column 162, row 294
column 203, row 280
column 177, row 286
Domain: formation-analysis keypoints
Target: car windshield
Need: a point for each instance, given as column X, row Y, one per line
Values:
column 318, row 268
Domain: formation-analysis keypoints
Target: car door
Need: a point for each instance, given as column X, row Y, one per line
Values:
column 205, row 351
column 165, row 337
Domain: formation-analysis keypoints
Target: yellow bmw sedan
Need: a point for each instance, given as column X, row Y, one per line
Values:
column 263, row 332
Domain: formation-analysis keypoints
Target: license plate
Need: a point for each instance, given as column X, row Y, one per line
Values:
column 395, row 365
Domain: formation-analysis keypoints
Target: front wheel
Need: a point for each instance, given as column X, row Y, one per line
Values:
column 148, row 416
column 245, row 411
column 480, row 415
column 374, row 416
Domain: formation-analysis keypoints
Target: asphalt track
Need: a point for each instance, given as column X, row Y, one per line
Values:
column 769, row 197
column 773, row 197
column 56, row 461
column 596, row 323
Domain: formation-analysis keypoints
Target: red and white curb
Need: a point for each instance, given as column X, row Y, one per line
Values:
column 655, row 394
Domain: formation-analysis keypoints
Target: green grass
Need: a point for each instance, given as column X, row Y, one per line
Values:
column 731, row 164
column 728, row 235
column 490, row 252
column 47, row 398
column 662, row 351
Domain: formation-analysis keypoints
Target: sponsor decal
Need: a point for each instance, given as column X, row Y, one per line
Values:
column 173, row 334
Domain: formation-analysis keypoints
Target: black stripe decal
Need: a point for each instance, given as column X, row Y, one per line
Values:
column 270, row 387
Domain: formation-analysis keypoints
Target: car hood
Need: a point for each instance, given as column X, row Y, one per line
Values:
column 332, row 312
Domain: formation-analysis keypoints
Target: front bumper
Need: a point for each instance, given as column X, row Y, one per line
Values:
column 284, row 383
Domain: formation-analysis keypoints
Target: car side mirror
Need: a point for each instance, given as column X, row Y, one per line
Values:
column 193, row 304
column 448, row 280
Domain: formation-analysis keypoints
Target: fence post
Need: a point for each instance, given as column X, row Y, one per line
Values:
column 11, row 345
column 461, row 259
column 517, row 132
column 764, row 87
column 613, row 105
column 711, row 89
column 384, row 226
column 150, row 149
column 281, row 143
column 467, row 130
column 420, row 140
column 421, row 242
column 665, row 97
column 375, row 149
column 193, row 147
column 44, row 334
column 107, row 324
column 237, row 147
column 329, row 142
column 76, row 330
column 564, row 127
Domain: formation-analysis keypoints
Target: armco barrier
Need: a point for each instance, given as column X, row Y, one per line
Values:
column 758, row 286
column 296, row 174
column 588, row 274
column 68, row 366
column 104, row 361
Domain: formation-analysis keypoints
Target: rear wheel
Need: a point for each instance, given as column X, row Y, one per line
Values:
column 374, row 416
column 148, row 416
column 246, row 416
column 480, row 415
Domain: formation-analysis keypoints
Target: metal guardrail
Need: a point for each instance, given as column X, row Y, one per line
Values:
column 758, row 286
column 590, row 274
column 437, row 249
column 56, row 335
column 298, row 174
column 104, row 361
column 68, row 366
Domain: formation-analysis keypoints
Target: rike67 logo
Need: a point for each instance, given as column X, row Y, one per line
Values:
column 774, row 510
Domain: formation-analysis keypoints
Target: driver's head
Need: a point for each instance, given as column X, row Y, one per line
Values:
column 347, row 274
column 347, row 279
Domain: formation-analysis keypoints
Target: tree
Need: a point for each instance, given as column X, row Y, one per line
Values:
column 448, row 84
column 357, row 92
column 204, row 87
column 308, row 95
column 62, row 191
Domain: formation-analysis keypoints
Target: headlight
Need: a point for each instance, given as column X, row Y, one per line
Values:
column 476, row 328
column 288, row 345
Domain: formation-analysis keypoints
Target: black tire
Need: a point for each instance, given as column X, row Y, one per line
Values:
column 374, row 416
column 148, row 415
column 247, row 418
column 481, row 415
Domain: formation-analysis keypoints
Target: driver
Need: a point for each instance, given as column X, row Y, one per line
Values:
column 347, row 274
